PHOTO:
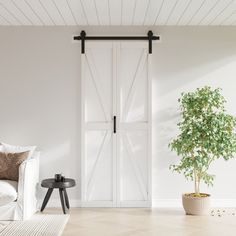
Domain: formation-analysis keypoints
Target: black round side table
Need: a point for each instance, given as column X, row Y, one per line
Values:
column 51, row 184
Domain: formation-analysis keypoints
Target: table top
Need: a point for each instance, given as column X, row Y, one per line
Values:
column 51, row 183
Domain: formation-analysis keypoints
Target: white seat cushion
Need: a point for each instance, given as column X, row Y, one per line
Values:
column 8, row 191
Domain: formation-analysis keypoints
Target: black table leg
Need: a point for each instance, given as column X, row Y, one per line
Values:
column 62, row 200
column 66, row 199
column 47, row 197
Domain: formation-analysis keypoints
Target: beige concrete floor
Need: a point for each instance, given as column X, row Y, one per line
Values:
column 147, row 222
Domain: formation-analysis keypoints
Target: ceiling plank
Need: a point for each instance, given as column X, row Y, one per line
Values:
column 225, row 15
column 65, row 12
column 167, row 8
column 177, row 12
column 27, row 11
column 38, row 9
column 16, row 12
column 4, row 21
column 140, row 12
column 117, row 12
column 220, row 8
column 33, row 10
column 55, row 2
column 205, row 10
column 190, row 11
column 115, row 7
column 128, row 8
column 153, row 11
column 213, row 12
column 230, row 20
column 102, row 7
column 8, row 16
column 90, row 11
column 46, row 11
column 53, row 12
column 77, row 10
column 234, row 21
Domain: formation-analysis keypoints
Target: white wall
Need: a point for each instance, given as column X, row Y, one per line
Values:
column 40, row 97
column 186, row 59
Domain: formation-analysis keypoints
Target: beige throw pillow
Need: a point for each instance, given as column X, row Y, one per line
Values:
column 10, row 163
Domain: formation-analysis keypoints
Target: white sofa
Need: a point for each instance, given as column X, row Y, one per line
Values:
column 26, row 203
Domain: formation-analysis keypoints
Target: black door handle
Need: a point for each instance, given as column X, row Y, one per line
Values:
column 114, row 124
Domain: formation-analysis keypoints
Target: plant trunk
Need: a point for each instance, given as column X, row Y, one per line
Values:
column 196, row 183
column 198, row 187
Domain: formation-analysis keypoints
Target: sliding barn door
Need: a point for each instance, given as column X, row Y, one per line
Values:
column 134, row 143
column 98, row 143
column 115, row 167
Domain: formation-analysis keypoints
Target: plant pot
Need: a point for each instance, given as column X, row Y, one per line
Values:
column 196, row 205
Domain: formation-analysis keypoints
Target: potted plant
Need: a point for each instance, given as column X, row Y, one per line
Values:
column 207, row 133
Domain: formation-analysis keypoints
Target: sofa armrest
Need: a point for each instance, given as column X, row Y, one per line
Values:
column 27, row 186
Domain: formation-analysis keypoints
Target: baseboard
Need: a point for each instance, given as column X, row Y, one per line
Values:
column 78, row 203
column 159, row 203
column 176, row 203
column 224, row 202
column 125, row 204
column 97, row 204
column 57, row 203
column 166, row 203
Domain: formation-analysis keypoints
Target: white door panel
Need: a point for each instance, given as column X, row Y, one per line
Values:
column 116, row 166
column 134, row 125
column 99, row 84
column 99, row 166
column 133, row 94
column 133, row 169
column 98, row 158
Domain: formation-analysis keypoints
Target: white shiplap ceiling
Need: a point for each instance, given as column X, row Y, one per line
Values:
column 117, row 12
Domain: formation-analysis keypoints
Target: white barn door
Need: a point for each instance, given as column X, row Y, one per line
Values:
column 98, row 97
column 134, row 115
column 115, row 166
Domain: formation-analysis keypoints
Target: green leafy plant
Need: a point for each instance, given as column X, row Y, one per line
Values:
column 207, row 133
